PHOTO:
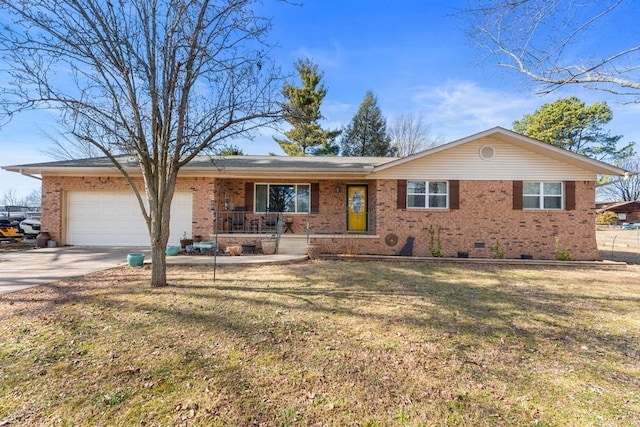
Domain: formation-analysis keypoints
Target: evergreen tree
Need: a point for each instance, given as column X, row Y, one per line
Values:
column 570, row 124
column 302, row 111
column 366, row 135
column 230, row 150
column 330, row 147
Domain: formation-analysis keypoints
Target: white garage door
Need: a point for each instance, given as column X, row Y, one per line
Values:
column 114, row 219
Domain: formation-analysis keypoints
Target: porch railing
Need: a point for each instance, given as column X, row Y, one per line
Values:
column 248, row 222
column 274, row 223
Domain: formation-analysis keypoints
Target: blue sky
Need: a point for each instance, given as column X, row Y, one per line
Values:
column 413, row 54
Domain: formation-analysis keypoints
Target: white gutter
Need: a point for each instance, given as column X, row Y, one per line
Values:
column 626, row 176
column 39, row 178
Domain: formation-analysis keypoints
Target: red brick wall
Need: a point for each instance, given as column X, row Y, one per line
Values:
column 486, row 216
column 205, row 193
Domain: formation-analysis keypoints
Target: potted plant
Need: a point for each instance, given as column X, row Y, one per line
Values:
column 248, row 248
column 269, row 246
column 135, row 259
column 184, row 242
column 173, row 250
column 313, row 250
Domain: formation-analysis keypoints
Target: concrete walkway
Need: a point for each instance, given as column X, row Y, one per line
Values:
column 21, row 270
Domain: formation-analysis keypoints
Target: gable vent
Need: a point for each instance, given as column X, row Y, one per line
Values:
column 487, row 152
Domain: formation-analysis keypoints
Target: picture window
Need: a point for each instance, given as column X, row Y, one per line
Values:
column 282, row 198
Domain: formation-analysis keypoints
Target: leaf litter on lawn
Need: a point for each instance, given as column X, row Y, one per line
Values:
column 325, row 343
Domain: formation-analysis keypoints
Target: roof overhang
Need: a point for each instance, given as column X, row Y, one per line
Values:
column 218, row 167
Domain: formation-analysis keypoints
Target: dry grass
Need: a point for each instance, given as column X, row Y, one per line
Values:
column 16, row 246
column 324, row 343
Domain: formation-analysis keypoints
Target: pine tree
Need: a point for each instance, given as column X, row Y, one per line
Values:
column 302, row 111
column 366, row 135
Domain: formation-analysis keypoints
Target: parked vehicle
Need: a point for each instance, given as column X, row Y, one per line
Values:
column 13, row 212
column 33, row 214
column 30, row 227
column 8, row 232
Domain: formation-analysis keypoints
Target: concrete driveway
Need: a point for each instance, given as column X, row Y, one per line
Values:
column 20, row 270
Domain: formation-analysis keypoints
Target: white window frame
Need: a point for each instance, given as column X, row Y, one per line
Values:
column 541, row 196
column 427, row 194
column 270, row 184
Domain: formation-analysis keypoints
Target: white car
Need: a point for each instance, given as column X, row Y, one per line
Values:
column 30, row 227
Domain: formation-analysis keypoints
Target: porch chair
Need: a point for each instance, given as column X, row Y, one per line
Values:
column 270, row 221
column 237, row 221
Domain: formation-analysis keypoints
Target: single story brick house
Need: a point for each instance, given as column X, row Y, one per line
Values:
column 492, row 190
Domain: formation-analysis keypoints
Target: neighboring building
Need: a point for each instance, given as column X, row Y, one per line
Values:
column 494, row 187
column 628, row 211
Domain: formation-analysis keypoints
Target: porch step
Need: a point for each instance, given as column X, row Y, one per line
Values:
column 292, row 245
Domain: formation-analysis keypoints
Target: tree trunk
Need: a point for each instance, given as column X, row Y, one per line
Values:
column 160, row 211
column 158, row 266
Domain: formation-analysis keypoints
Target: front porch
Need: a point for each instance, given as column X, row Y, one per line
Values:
column 295, row 231
column 330, row 213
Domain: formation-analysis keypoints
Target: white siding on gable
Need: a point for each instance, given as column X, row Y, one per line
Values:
column 510, row 162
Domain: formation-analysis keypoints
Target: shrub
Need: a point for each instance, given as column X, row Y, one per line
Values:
column 435, row 244
column 562, row 255
column 606, row 218
column 498, row 253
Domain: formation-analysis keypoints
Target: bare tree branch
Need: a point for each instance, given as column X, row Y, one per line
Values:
column 544, row 40
column 410, row 133
column 161, row 80
column 627, row 188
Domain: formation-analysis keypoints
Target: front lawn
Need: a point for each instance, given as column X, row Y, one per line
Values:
column 325, row 343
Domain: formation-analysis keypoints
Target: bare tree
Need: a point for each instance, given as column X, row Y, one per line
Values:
column 410, row 133
column 160, row 80
column 66, row 147
column 545, row 41
column 33, row 199
column 627, row 188
column 11, row 197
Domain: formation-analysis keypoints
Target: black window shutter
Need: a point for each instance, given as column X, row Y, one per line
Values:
column 248, row 196
column 570, row 195
column 315, row 197
column 517, row 195
column 402, row 194
column 454, row 194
